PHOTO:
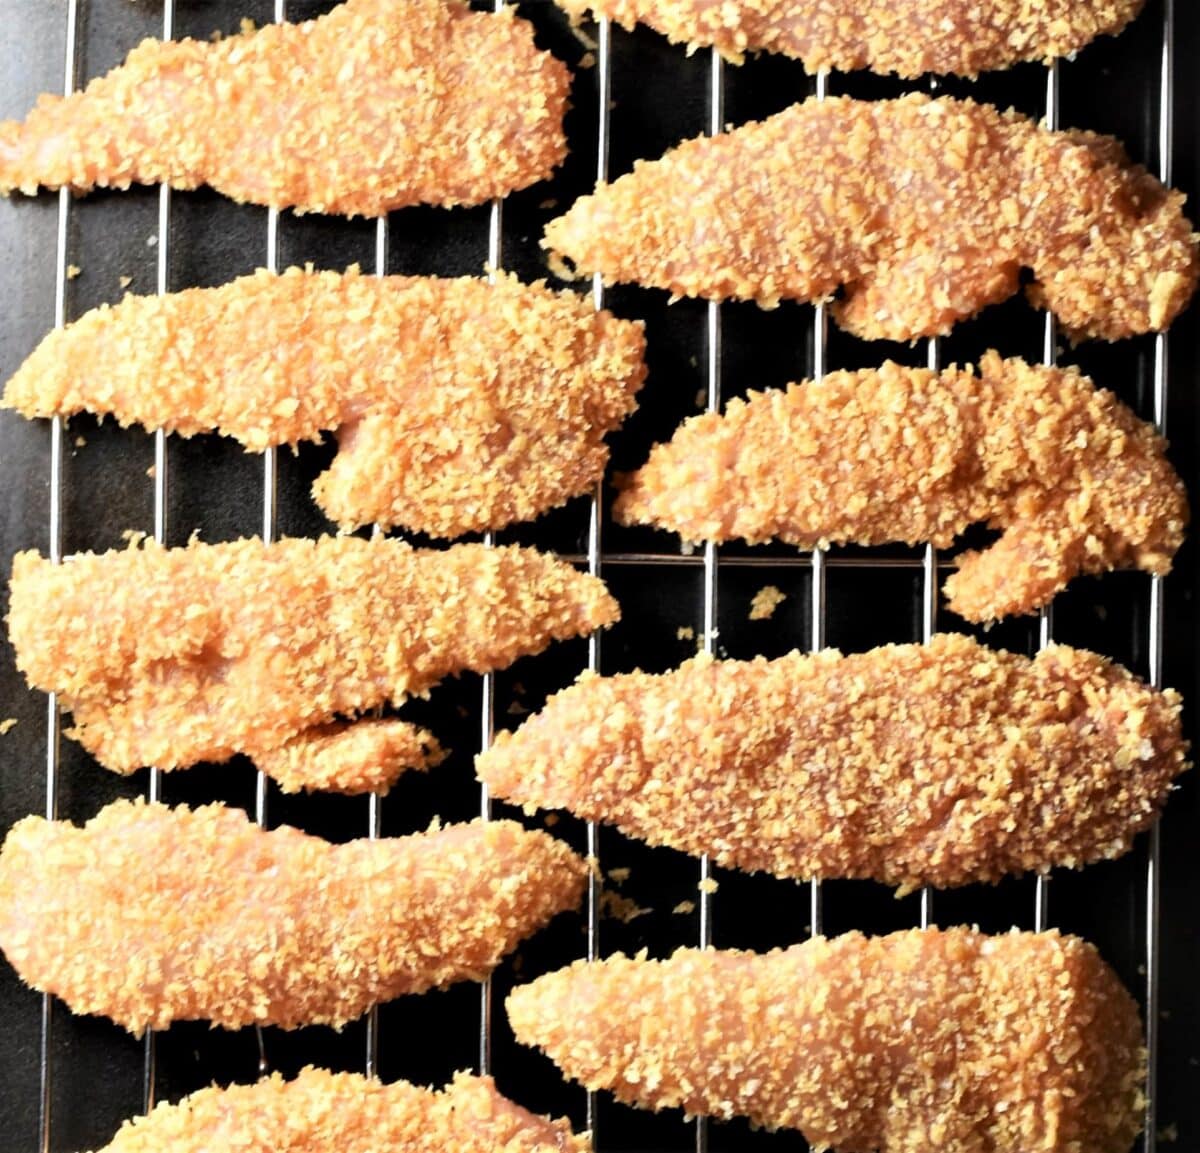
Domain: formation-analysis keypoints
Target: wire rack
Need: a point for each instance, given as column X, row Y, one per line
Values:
column 70, row 1082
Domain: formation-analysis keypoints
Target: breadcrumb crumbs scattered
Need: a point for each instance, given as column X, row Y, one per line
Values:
column 373, row 106
column 496, row 413
column 124, row 281
column 619, row 876
column 685, row 907
column 920, row 1040
column 619, row 908
column 906, row 454
column 765, row 602
column 73, row 270
column 923, row 211
column 80, row 441
column 7, row 725
column 238, row 925
column 909, row 38
column 685, row 633
column 708, row 885
column 346, row 1112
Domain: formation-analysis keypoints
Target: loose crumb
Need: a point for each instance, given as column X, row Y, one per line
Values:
column 73, row 270
column 685, row 907
column 6, row 726
column 80, row 441
column 685, row 633
column 619, row 876
column 765, row 602
column 124, row 281
column 620, row 908
column 708, row 885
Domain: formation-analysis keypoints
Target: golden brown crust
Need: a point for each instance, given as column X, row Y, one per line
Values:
column 460, row 405
column 1077, row 482
column 920, row 1040
column 320, row 1112
column 363, row 756
column 937, row 764
column 377, row 105
column 149, row 915
column 923, row 211
column 909, row 38
column 172, row 656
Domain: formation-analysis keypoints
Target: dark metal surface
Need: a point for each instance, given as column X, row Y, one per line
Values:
column 660, row 96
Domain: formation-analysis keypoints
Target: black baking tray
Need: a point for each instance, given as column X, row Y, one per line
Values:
column 660, row 96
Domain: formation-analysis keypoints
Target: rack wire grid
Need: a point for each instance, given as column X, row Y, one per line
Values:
column 66, row 1083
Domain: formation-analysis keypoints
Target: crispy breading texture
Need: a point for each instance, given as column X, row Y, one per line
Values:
column 1075, row 480
column 363, row 756
column 938, row 764
column 168, row 657
column 459, row 405
column 320, row 1112
column 377, row 105
column 909, row 39
column 149, row 915
column 925, row 1039
column 923, row 211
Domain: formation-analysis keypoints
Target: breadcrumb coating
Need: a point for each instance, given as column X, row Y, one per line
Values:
column 909, row 39
column 168, row 657
column 923, row 211
column 320, row 1112
column 1075, row 480
column 460, row 406
column 364, row 756
column 938, row 764
column 920, row 1040
column 377, row 105
column 149, row 915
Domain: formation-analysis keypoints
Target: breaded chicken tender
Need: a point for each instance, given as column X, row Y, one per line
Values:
column 1075, row 480
column 149, row 915
column 918, row 1041
column 938, row 764
column 459, row 405
column 364, row 756
column 922, row 211
column 168, row 657
column 320, row 1112
column 910, row 38
column 377, row 105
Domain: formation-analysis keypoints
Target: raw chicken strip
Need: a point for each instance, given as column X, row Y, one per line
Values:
column 922, row 210
column 172, row 656
column 921, row 1040
column 936, row 764
column 378, row 105
column 363, row 756
column 909, row 38
column 1075, row 480
column 150, row 915
column 320, row 1112
column 460, row 406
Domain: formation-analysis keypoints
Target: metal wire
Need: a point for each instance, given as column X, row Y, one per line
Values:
column 57, row 431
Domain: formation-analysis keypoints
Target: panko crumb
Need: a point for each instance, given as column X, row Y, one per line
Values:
column 765, row 602
column 708, row 885
column 619, row 908
column 73, row 271
column 862, row 1043
column 685, row 633
column 371, row 107
column 7, row 725
column 909, row 38
column 238, row 925
column 684, row 908
column 124, row 281
column 619, row 876
column 842, row 200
